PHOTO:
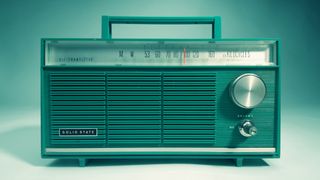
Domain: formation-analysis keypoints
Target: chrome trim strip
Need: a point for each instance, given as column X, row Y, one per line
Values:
column 115, row 150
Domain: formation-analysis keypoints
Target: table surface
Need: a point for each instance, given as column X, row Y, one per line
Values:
column 20, row 155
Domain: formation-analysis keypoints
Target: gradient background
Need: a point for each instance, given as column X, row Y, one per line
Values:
column 295, row 23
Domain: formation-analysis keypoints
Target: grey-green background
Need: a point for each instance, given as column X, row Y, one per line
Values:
column 23, row 23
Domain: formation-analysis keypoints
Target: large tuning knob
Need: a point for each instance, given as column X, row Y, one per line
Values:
column 247, row 91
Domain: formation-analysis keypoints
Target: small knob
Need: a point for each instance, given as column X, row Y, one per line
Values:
column 247, row 91
column 247, row 129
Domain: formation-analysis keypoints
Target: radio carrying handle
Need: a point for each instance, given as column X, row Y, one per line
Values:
column 107, row 22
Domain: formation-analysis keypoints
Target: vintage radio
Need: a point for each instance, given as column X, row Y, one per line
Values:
column 160, row 98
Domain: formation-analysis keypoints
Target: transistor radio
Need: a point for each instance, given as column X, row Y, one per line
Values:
column 160, row 98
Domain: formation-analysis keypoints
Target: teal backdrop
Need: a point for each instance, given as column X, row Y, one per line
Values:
column 23, row 23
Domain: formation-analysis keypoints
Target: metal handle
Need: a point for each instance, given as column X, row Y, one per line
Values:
column 107, row 22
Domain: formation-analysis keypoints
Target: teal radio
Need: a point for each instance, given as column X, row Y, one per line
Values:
column 160, row 98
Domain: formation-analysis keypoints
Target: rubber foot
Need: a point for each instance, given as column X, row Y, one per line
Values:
column 239, row 162
column 83, row 162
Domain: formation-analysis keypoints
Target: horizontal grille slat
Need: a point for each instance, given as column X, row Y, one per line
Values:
column 182, row 121
column 134, row 88
column 183, row 131
column 76, row 117
column 188, row 126
column 77, row 103
column 71, row 122
column 83, row 88
column 75, row 98
column 70, row 107
column 77, row 78
column 135, row 127
column 124, row 122
column 76, row 83
column 134, row 131
column 78, row 93
column 78, row 112
column 133, row 103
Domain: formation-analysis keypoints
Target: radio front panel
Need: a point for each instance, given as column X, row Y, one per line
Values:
column 170, row 108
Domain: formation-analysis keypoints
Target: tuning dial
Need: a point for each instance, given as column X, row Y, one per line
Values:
column 247, row 129
column 247, row 91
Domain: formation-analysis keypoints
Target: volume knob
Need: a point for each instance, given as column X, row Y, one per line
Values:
column 247, row 129
column 247, row 91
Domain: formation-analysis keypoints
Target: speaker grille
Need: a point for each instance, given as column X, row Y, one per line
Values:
column 189, row 110
column 77, row 101
column 134, row 108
